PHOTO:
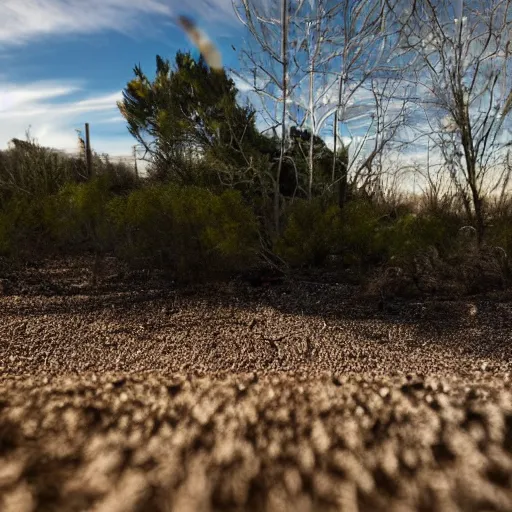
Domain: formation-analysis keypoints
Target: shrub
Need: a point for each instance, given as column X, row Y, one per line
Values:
column 33, row 171
column 432, row 255
column 121, row 177
column 76, row 217
column 187, row 230
column 311, row 233
column 499, row 233
column 361, row 245
column 413, row 234
column 22, row 229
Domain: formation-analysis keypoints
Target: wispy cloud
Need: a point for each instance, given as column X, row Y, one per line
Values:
column 23, row 21
column 15, row 96
column 112, row 120
column 53, row 110
column 30, row 104
column 52, row 113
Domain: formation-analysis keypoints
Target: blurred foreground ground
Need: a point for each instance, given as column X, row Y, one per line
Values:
column 139, row 396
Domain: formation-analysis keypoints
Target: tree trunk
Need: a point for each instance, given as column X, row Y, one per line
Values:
column 284, row 59
column 343, row 186
column 335, row 145
column 471, row 170
column 312, row 135
column 343, row 178
column 311, row 166
column 479, row 215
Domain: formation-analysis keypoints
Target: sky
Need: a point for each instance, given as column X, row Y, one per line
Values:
column 65, row 62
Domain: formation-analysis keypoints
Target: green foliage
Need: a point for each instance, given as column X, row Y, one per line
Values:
column 22, row 230
column 77, row 217
column 32, row 171
column 312, row 232
column 120, row 177
column 185, row 112
column 360, row 242
column 187, row 230
column 295, row 170
column 361, row 233
column 412, row 234
column 499, row 233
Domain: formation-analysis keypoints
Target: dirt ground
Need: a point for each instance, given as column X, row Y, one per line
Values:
column 137, row 395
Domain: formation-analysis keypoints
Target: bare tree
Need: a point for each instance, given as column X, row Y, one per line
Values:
column 284, row 60
column 270, row 70
column 389, row 114
column 458, row 52
column 314, row 49
column 367, row 45
column 309, row 29
column 344, row 45
column 335, row 50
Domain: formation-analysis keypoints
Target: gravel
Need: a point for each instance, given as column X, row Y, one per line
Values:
column 139, row 395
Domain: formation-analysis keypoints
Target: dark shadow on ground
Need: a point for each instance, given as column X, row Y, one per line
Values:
column 63, row 284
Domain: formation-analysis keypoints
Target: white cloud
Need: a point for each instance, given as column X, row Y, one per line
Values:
column 28, row 106
column 13, row 96
column 23, row 21
column 54, row 110
column 52, row 116
column 241, row 84
column 111, row 120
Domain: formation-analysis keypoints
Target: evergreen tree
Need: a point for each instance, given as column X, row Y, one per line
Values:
column 188, row 118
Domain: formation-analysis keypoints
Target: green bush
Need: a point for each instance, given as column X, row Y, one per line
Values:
column 187, row 230
column 23, row 232
column 74, row 219
column 412, row 234
column 33, row 171
column 311, row 233
column 30, row 170
column 360, row 242
column 77, row 217
column 499, row 234
column 121, row 177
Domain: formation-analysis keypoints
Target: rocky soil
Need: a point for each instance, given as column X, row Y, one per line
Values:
column 137, row 395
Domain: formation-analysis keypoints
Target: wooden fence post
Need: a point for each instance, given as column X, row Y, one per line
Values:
column 88, row 152
column 135, row 160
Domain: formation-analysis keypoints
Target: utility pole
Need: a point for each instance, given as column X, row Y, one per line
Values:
column 88, row 152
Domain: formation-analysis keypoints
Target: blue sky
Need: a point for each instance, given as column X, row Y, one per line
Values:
column 65, row 62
